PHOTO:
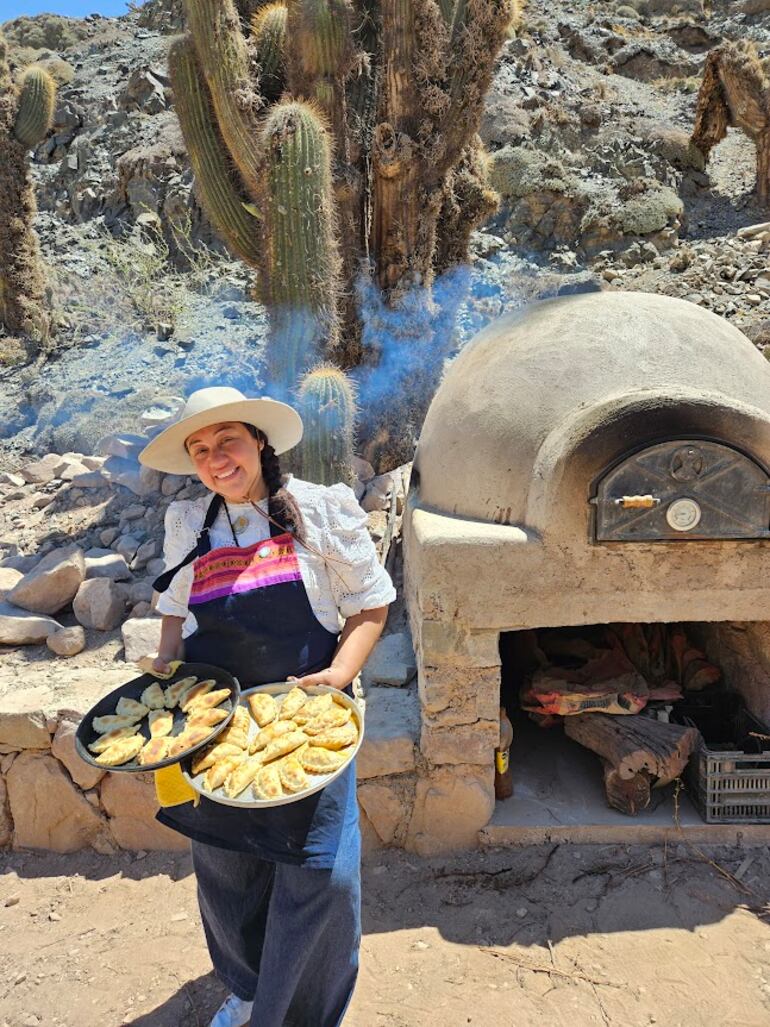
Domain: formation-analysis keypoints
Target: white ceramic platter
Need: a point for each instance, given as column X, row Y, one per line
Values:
column 246, row 799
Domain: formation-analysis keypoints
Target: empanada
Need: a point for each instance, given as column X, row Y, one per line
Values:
column 161, row 723
column 237, row 731
column 105, row 741
column 121, row 752
column 271, row 732
column 321, row 761
column 292, row 702
column 112, row 722
column 292, row 775
column 196, row 691
column 241, row 777
column 267, row 784
column 282, row 746
column 336, row 737
column 155, row 750
column 314, row 707
column 207, row 701
column 207, row 718
column 174, row 692
column 214, row 755
column 131, row 708
column 154, row 697
column 264, row 708
column 215, row 776
column 334, row 717
column 188, row 738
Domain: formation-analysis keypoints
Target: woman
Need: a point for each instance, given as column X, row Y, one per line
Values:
column 260, row 575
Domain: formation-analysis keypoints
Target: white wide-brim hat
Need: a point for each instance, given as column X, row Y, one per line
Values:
column 280, row 422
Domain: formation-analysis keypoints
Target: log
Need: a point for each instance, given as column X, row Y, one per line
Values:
column 635, row 744
column 629, row 796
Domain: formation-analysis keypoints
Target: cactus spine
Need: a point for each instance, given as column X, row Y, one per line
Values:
column 327, row 404
column 25, row 116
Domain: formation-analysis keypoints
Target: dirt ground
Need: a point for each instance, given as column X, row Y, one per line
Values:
column 567, row 935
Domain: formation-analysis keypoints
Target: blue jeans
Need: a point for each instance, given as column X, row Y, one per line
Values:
column 285, row 937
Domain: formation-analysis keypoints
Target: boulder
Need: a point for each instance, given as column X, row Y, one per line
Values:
column 378, row 492
column 451, row 806
column 100, row 603
column 9, row 478
column 123, row 444
column 391, row 734
column 17, row 627
column 63, row 748
column 67, row 641
column 48, row 810
column 40, row 472
column 141, row 636
column 52, row 583
column 104, row 563
column 127, row 546
column 9, row 577
column 131, row 804
column 386, row 810
column 90, row 480
column 392, row 662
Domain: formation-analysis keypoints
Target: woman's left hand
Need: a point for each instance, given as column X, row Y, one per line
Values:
column 334, row 677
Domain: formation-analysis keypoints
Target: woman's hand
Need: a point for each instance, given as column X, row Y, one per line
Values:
column 334, row 677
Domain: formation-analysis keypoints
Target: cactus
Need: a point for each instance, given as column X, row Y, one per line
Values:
column 346, row 131
column 25, row 116
column 735, row 91
column 327, row 404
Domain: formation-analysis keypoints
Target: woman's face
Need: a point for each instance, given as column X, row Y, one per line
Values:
column 227, row 459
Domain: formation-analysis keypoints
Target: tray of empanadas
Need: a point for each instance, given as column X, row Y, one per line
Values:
column 283, row 744
column 149, row 723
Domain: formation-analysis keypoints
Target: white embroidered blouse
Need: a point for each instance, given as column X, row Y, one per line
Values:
column 346, row 580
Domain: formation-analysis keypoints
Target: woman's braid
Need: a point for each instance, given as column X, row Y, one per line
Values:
column 282, row 506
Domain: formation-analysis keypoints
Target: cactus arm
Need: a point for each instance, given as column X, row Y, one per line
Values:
column 268, row 34
column 219, row 191
column 37, row 98
column 224, row 58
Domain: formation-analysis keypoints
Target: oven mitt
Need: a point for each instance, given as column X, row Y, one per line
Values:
column 171, row 789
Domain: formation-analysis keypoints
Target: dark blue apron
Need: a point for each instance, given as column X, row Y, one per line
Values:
column 255, row 620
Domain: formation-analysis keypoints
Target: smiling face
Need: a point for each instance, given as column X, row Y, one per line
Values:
column 228, row 460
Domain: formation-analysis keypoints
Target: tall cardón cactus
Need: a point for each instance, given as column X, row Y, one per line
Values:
column 327, row 403
column 334, row 144
column 25, row 117
column 735, row 91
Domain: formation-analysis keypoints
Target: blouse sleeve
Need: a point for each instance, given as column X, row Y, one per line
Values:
column 178, row 541
column 357, row 578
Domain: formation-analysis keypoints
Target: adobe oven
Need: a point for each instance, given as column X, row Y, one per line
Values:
column 594, row 459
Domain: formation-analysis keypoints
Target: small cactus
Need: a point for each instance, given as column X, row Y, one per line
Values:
column 328, row 407
column 25, row 117
column 268, row 30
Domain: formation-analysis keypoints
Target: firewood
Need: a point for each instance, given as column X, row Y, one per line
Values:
column 627, row 795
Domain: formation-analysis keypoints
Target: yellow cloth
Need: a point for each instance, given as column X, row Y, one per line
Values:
column 171, row 788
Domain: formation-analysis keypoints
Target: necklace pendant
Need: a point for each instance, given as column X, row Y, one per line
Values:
column 240, row 524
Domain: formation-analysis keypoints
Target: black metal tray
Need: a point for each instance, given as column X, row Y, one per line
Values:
column 85, row 734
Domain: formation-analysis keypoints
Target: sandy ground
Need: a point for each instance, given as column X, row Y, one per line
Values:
column 567, row 935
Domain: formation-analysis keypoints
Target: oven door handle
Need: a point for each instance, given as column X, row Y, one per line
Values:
column 637, row 502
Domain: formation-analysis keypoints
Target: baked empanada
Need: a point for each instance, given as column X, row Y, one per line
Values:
column 282, row 746
column 321, row 761
column 196, row 691
column 292, row 775
column 336, row 737
column 187, row 739
column 121, row 752
column 215, row 776
column 174, row 692
column 241, row 777
column 267, row 784
column 207, row 701
column 264, row 708
column 112, row 722
column 271, row 732
column 105, row 741
column 155, row 750
column 208, row 718
column 314, row 707
column 153, row 697
column 131, row 708
column 161, row 723
column 292, row 702
column 334, row 717
column 214, row 755
column 237, row 731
